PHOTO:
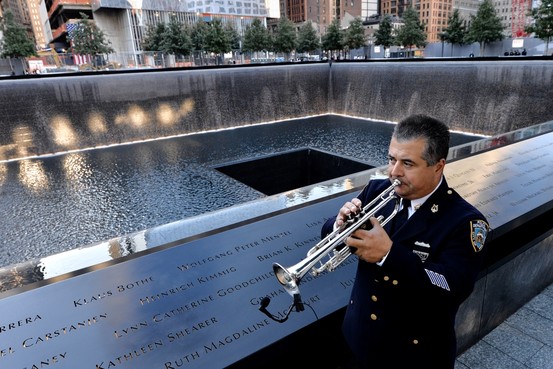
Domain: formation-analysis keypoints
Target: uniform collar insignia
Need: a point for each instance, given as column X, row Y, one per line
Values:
column 434, row 208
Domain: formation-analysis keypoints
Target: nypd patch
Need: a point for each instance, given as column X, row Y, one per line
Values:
column 478, row 232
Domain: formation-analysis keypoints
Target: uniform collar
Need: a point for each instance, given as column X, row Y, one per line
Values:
column 417, row 203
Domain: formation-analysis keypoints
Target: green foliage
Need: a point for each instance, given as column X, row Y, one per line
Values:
column 412, row 32
column 455, row 32
column 256, row 37
column 153, row 41
column 217, row 39
column 485, row 27
column 176, row 38
column 456, row 29
column 16, row 43
column 308, row 40
column 233, row 36
column 199, row 32
column 384, row 35
column 355, row 35
column 88, row 39
column 285, row 40
column 542, row 27
column 333, row 40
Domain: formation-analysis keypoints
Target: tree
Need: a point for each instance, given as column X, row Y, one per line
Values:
column 285, row 40
column 153, row 41
column 412, row 32
column 384, row 35
column 542, row 27
column 354, row 37
column 256, row 37
column 217, row 39
column 176, row 38
column 15, row 44
column 485, row 27
column 308, row 40
column 456, row 31
column 88, row 39
column 198, row 35
column 233, row 36
column 333, row 40
column 173, row 38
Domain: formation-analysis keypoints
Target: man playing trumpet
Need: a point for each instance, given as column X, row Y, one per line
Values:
column 411, row 278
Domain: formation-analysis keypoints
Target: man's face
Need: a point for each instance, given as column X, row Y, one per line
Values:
column 406, row 163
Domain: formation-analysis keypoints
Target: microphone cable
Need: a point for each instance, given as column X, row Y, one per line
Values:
column 297, row 304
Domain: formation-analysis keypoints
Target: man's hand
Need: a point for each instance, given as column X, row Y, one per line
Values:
column 372, row 245
column 349, row 209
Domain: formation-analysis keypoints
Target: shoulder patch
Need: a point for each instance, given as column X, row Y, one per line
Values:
column 478, row 232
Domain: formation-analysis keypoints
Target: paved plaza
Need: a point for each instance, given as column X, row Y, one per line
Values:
column 523, row 341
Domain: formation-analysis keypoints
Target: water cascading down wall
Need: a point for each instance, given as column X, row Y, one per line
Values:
column 53, row 114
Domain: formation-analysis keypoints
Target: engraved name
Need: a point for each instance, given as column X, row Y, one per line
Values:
column 262, row 241
column 189, row 306
column 198, row 263
column 103, row 295
column 48, row 362
column 272, row 254
column 47, row 337
column 170, row 292
column 161, row 317
column 244, row 284
column 20, row 323
column 229, row 339
column 173, row 336
column 130, row 355
column 216, row 275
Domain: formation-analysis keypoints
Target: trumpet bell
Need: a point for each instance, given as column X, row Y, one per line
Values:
column 286, row 279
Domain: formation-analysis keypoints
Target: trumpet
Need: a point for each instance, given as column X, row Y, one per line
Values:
column 290, row 277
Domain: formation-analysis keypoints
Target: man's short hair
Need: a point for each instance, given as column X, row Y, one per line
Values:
column 433, row 131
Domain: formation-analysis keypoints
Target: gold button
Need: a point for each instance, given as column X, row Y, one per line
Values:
column 374, row 298
column 395, row 282
column 373, row 316
column 386, row 278
column 415, row 342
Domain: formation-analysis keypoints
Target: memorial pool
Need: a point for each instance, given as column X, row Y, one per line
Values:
column 58, row 203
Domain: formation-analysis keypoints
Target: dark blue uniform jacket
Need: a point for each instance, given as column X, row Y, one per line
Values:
column 402, row 314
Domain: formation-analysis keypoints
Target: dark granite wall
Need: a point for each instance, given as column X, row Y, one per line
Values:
column 41, row 115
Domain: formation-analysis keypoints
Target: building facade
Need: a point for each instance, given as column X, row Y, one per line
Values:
column 60, row 14
column 20, row 11
column 514, row 16
column 125, row 22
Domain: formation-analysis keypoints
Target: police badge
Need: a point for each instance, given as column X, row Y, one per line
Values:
column 478, row 232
